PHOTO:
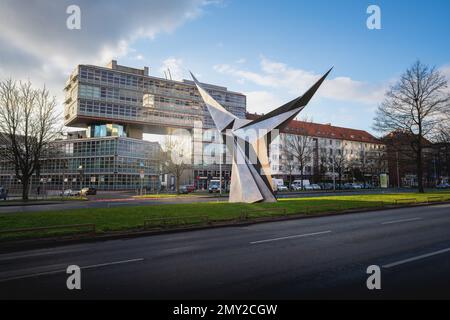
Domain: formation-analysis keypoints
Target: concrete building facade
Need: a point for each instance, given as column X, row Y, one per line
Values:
column 127, row 103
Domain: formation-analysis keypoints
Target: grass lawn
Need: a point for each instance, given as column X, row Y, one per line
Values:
column 129, row 218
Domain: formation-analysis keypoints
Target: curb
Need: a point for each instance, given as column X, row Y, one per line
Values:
column 22, row 245
column 25, row 204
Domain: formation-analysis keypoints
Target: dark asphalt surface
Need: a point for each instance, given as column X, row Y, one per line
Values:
column 323, row 258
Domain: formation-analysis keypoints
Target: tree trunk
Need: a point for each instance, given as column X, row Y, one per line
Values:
column 420, row 169
column 301, row 178
column 177, row 183
column 25, row 188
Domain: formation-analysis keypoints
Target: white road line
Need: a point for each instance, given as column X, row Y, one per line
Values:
column 291, row 237
column 111, row 263
column 423, row 256
column 402, row 220
column 64, row 270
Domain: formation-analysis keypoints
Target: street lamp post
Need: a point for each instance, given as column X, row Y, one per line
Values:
column 398, row 172
column 80, row 170
column 334, row 176
column 220, row 170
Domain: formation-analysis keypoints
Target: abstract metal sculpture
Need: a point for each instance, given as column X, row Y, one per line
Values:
column 248, row 141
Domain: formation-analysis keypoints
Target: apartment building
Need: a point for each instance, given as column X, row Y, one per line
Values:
column 319, row 152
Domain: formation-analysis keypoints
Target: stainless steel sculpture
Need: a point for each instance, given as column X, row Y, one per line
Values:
column 251, row 178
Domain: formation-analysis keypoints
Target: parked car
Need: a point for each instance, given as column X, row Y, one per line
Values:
column 187, row 188
column 326, row 186
column 214, row 186
column 88, row 191
column 352, row 186
column 3, row 193
column 443, row 185
column 184, row 190
column 296, row 187
column 282, row 188
column 316, row 186
column 308, row 187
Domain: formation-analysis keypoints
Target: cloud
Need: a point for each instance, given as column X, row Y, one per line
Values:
column 35, row 42
column 177, row 71
column 261, row 101
column 279, row 75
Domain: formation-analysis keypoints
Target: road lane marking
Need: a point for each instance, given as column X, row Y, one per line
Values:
column 291, row 237
column 423, row 256
column 64, row 270
column 402, row 220
column 111, row 263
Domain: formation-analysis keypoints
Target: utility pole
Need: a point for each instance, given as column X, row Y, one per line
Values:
column 220, row 170
column 334, row 176
column 435, row 170
column 398, row 173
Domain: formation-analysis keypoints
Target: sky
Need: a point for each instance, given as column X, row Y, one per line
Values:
column 272, row 51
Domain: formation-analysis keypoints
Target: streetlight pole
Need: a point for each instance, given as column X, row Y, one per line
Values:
column 80, row 169
column 398, row 173
column 435, row 170
column 220, row 170
column 334, row 177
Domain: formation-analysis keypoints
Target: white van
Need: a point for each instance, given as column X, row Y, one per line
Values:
column 297, row 184
column 278, row 185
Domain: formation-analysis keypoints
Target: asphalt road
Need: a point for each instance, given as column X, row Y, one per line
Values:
column 323, row 257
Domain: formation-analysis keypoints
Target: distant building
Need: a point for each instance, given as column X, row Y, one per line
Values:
column 356, row 153
column 402, row 161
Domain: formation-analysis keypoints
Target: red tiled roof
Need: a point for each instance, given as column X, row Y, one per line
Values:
column 324, row 131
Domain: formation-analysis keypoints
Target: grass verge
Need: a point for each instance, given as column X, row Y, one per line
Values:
column 132, row 218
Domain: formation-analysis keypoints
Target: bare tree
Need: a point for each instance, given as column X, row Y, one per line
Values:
column 176, row 158
column 299, row 147
column 29, row 122
column 415, row 105
column 340, row 164
column 288, row 164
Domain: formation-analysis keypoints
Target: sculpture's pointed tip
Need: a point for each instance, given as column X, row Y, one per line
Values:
column 328, row 72
column 193, row 77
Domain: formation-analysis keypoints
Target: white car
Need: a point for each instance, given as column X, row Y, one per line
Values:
column 282, row 188
column 69, row 193
column 296, row 187
column 316, row 187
